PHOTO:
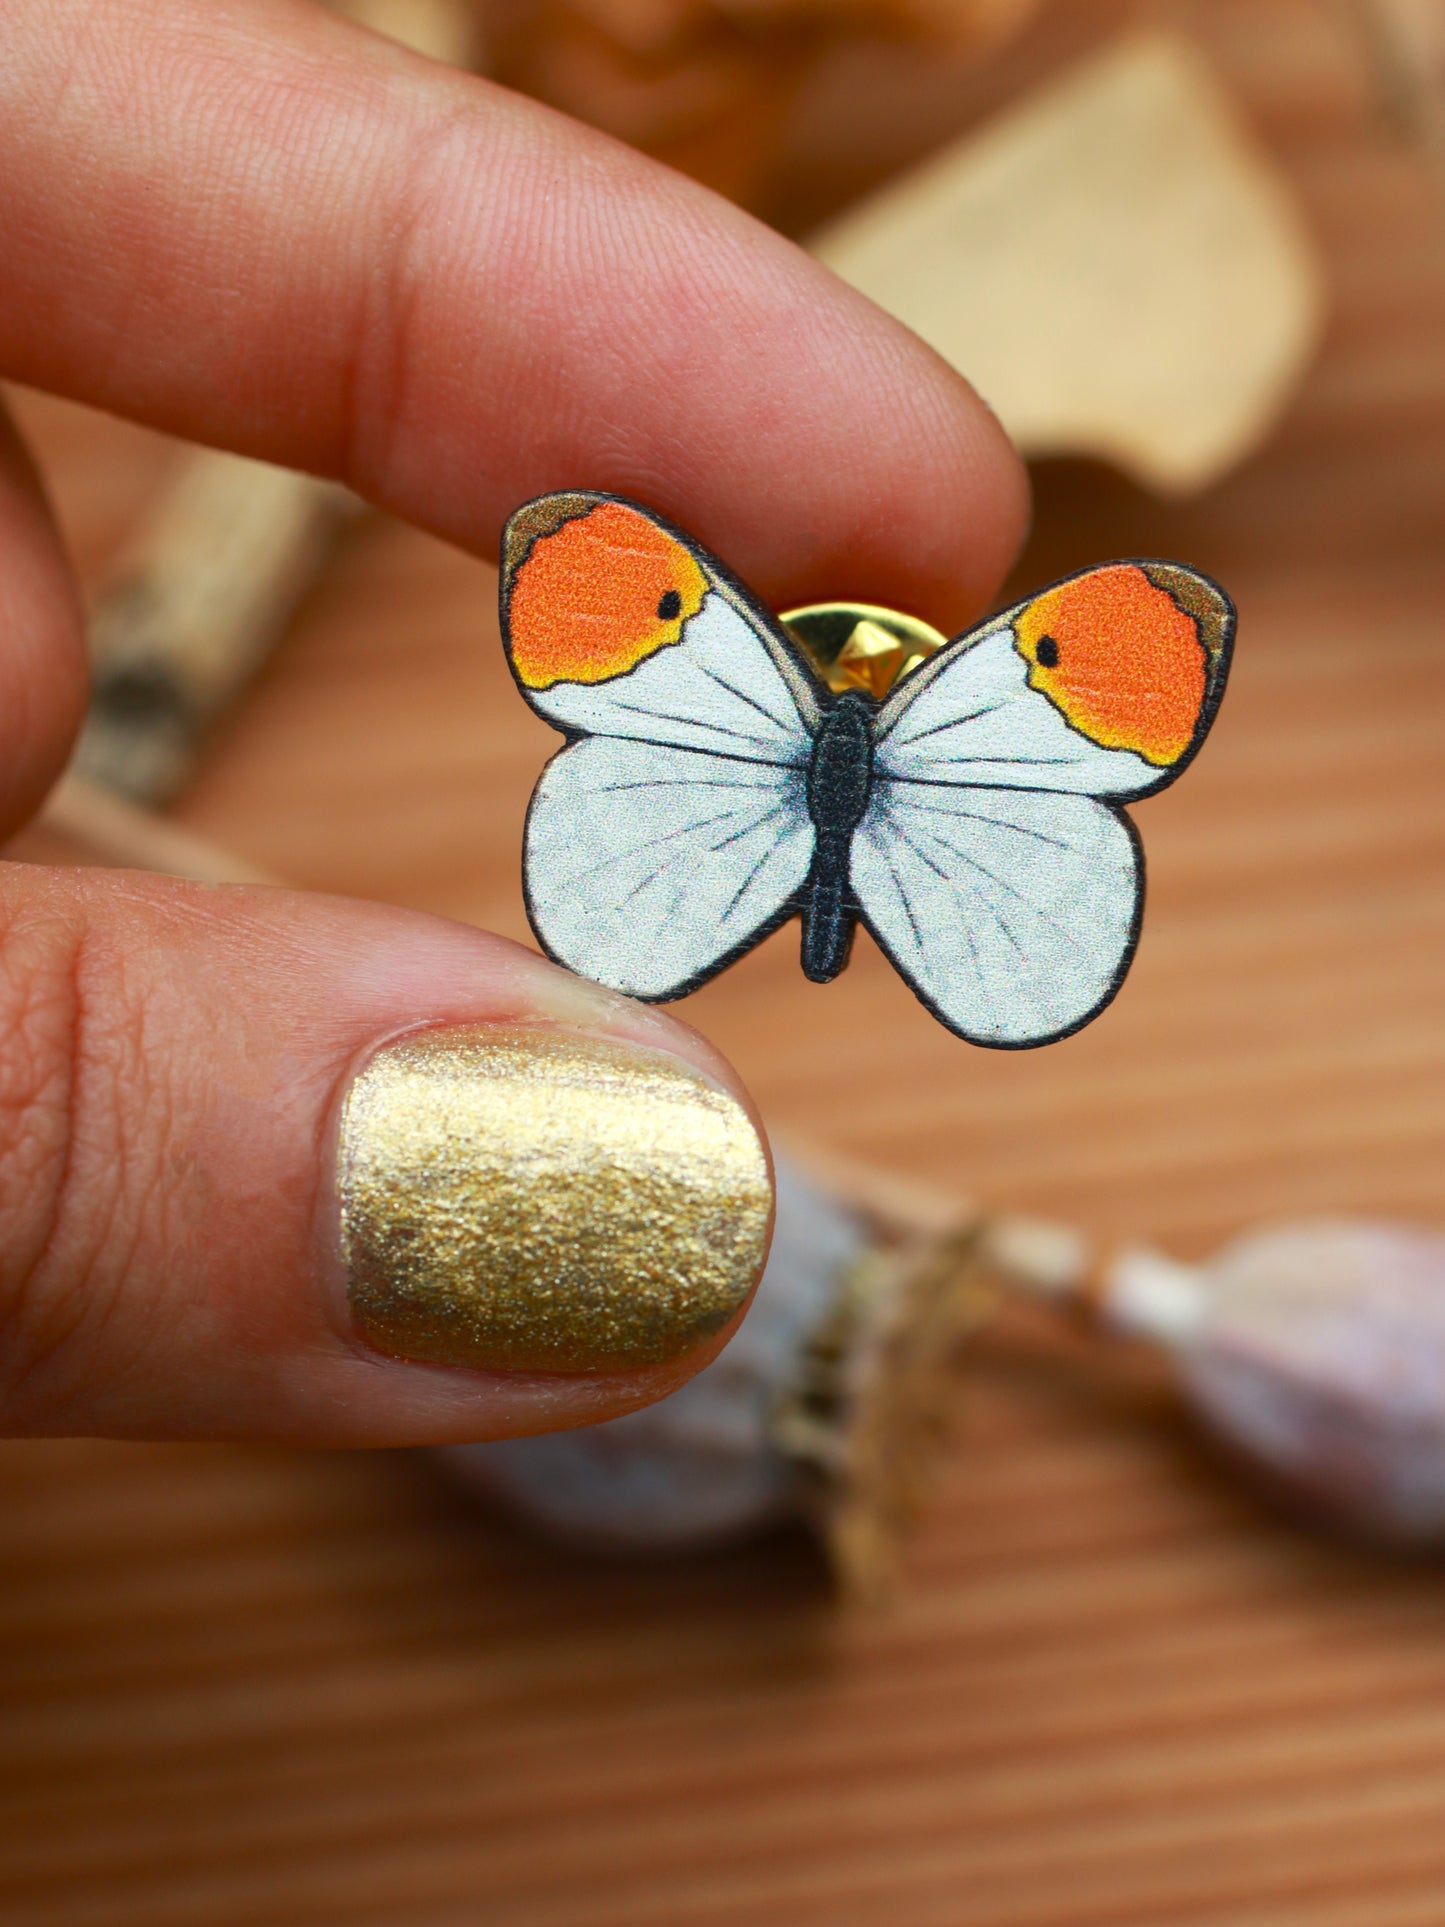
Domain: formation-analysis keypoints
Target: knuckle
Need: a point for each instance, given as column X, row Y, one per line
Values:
column 74, row 1150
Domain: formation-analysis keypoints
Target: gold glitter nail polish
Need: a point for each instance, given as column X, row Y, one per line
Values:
column 539, row 1200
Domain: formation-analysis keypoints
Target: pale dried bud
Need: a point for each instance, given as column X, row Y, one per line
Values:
column 824, row 1407
column 700, row 1466
column 1318, row 1351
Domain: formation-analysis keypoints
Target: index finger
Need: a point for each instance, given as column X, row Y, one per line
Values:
column 255, row 225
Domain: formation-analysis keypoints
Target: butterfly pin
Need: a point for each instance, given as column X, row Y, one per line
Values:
column 713, row 784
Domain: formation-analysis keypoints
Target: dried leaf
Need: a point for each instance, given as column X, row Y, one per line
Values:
column 1112, row 264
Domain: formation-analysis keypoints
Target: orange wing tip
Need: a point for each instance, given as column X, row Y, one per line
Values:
column 594, row 587
column 1128, row 654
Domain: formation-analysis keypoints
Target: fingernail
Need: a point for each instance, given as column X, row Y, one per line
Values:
column 536, row 1200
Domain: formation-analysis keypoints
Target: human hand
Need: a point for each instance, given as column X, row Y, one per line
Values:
column 257, row 226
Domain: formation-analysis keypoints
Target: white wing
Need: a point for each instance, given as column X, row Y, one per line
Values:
column 674, row 832
column 1011, row 912
column 647, row 867
column 726, row 686
column 969, row 716
column 1003, row 890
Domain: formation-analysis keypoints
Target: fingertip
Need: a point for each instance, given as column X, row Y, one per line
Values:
column 942, row 498
column 456, row 300
column 815, row 444
column 328, row 1173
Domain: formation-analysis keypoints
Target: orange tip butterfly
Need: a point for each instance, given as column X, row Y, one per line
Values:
column 713, row 785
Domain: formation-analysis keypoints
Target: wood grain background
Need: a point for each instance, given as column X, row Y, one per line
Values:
column 241, row 1685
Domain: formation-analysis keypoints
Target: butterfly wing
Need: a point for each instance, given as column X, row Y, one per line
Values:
column 649, row 868
column 673, row 831
column 1012, row 913
column 1103, row 685
column 988, row 867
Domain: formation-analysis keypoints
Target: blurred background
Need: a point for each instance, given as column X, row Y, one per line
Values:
column 1194, row 252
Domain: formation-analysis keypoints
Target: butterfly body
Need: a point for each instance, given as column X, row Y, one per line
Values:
column 840, row 779
column 711, row 786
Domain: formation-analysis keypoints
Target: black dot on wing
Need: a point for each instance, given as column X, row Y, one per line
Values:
column 670, row 607
column 1047, row 653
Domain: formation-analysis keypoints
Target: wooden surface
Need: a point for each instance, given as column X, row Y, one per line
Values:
column 242, row 1685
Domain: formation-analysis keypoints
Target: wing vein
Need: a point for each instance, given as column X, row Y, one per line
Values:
column 949, row 722
column 963, row 790
column 690, row 722
column 742, row 695
column 681, row 782
column 628, row 851
column 993, row 877
column 901, row 830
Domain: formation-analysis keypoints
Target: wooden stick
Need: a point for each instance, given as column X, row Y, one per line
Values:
column 122, row 834
column 447, row 30
column 205, row 590
column 1406, row 41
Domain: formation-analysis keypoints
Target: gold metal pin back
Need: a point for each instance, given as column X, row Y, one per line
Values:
column 859, row 646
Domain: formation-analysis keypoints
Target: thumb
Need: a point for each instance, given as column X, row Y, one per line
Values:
column 287, row 1167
